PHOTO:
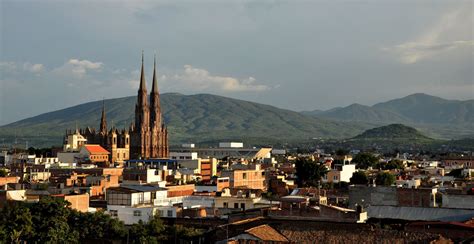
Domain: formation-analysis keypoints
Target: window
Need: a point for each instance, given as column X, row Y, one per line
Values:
column 137, row 213
column 170, row 213
column 244, row 176
column 242, row 206
column 236, row 205
column 335, row 177
column 226, row 205
column 113, row 213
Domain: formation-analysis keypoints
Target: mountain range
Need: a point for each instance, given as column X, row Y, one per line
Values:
column 209, row 118
column 438, row 117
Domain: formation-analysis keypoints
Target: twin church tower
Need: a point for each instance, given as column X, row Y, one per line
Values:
column 148, row 135
column 146, row 138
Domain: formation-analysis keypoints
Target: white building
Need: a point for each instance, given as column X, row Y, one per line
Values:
column 340, row 173
column 231, row 144
column 132, row 203
column 184, row 155
column 74, row 142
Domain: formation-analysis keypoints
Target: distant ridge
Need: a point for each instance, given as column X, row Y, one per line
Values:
column 437, row 116
column 196, row 118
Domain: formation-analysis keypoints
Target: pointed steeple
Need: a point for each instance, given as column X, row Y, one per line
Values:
column 142, row 77
column 155, row 108
column 103, row 121
column 154, row 88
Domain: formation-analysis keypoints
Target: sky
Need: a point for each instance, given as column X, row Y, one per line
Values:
column 298, row 55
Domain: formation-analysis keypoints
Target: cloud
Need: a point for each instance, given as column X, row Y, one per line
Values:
column 450, row 32
column 198, row 79
column 77, row 68
column 7, row 66
column 33, row 68
column 12, row 67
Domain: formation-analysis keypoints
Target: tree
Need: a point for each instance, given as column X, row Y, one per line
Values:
column 359, row 178
column 309, row 172
column 365, row 160
column 3, row 173
column 385, row 179
column 96, row 225
column 15, row 223
column 393, row 164
column 50, row 220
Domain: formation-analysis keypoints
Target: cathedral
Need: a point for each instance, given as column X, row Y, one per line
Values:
column 146, row 138
column 148, row 135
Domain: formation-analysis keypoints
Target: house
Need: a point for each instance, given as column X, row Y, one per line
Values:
column 132, row 203
column 242, row 200
column 339, row 173
column 249, row 178
column 95, row 153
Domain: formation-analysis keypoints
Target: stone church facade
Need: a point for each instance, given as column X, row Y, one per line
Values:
column 146, row 138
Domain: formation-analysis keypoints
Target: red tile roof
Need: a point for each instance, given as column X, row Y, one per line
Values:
column 96, row 149
column 266, row 233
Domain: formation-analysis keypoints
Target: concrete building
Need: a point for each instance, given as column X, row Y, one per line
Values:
column 142, row 175
column 339, row 173
column 133, row 203
column 246, row 178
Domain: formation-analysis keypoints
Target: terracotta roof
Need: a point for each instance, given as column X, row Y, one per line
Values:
column 96, row 149
column 266, row 233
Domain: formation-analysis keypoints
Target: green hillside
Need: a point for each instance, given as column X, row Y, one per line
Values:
column 423, row 108
column 393, row 131
column 196, row 118
column 437, row 117
column 358, row 112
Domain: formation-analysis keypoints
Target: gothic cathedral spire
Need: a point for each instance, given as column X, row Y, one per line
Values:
column 155, row 110
column 103, row 121
column 141, row 108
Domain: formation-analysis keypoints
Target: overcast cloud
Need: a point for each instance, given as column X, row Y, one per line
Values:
column 299, row 55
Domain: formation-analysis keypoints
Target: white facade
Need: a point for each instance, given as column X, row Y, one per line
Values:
column 184, row 155
column 347, row 171
column 132, row 203
column 343, row 174
column 74, row 142
column 131, row 215
column 231, row 144
column 188, row 145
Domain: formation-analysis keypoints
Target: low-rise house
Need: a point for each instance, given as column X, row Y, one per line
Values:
column 339, row 173
column 133, row 203
column 249, row 178
column 95, row 153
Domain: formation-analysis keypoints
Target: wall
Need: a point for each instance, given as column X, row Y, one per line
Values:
column 78, row 202
column 252, row 179
column 458, row 201
column 126, row 214
column 414, row 197
column 386, row 196
column 180, row 190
